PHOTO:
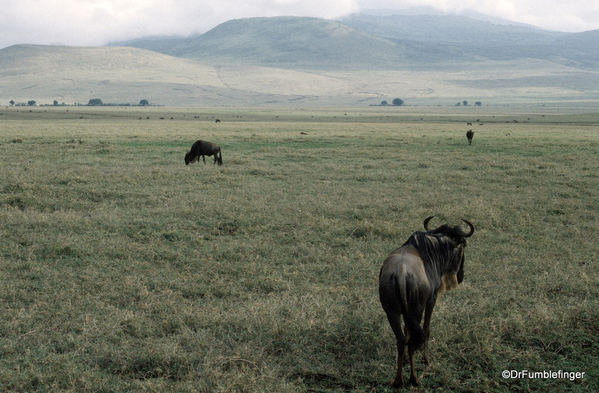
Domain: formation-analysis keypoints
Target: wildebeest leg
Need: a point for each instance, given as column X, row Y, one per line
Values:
column 406, row 339
column 413, row 378
column 426, row 327
column 204, row 158
column 395, row 322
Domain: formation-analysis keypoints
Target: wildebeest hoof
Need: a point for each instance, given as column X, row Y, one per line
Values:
column 414, row 380
column 398, row 383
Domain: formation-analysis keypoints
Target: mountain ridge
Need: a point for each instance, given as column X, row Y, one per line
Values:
column 374, row 42
column 311, row 61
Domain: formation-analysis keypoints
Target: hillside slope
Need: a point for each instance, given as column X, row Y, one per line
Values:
column 368, row 42
column 128, row 75
column 77, row 74
column 308, row 61
column 288, row 42
column 319, row 44
column 449, row 29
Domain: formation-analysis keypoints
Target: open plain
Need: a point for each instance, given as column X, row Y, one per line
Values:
column 122, row 269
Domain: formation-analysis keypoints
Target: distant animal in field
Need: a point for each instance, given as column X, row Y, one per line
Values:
column 202, row 149
column 425, row 266
column 469, row 124
column 470, row 135
column 217, row 121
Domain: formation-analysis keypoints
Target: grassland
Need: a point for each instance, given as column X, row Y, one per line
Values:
column 122, row 269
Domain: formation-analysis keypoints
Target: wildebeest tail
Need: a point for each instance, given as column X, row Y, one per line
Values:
column 220, row 157
column 412, row 323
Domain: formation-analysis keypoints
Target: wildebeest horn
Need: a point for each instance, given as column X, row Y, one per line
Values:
column 426, row 223
column 464, row 234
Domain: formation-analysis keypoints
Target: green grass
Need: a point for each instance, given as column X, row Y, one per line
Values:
column 122, row 269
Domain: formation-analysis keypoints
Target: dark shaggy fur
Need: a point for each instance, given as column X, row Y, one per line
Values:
column 439, row 251
column 425, row 266
column 470, row 135
column 203, row 149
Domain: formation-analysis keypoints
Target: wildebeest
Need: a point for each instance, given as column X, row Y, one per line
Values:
column 425, row 266
column 203, row 149
column 470, row 135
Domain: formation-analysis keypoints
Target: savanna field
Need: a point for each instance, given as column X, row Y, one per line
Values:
column 122, row 269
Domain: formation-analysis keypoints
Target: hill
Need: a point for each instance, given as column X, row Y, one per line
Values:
column 287, row 42
column 367, row 42
column 449, row 29
column 357, row 43
column 307, row 61
column 128, row 75
column 78, row 74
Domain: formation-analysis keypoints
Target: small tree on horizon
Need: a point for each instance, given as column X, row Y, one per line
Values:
column 95, row 102
column 397, row 102
column 384, row 103
column 144, row 103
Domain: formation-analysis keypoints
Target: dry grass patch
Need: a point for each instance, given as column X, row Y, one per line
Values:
column 123, row 269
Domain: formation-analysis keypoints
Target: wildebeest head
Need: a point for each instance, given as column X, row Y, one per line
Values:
column 457, row 235
column 191, row 157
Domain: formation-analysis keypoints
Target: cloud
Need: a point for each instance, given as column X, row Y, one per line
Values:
column 560, row 15
column 97, row 22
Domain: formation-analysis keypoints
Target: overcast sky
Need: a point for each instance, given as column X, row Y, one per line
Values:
column 97, row 22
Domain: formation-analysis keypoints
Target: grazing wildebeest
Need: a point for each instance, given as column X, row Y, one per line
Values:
column 203, row 149
column 470, row 135
column 427, row 265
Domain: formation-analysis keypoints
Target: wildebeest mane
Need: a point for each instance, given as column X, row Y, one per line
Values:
column 438, row 249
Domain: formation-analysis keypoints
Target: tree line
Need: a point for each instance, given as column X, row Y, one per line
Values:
column 92, row 102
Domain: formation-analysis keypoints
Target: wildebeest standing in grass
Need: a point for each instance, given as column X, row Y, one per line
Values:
column 203, row 149
column 470, row 135
column 425, row 266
